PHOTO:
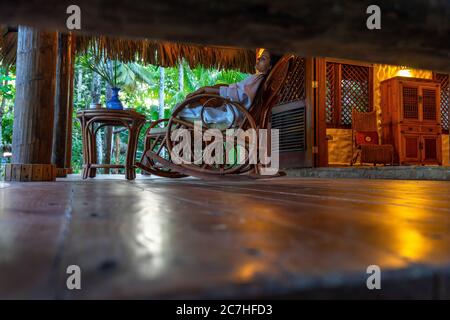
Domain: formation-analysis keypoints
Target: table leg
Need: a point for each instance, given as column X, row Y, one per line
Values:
column 133, row 138
column 92, row 172
column 85, row 142
column 130, row 151
column 139, row 126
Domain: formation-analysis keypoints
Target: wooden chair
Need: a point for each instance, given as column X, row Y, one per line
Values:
column 156, row 158
column 365, row 141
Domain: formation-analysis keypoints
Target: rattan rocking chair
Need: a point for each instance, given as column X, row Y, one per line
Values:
column 156, row 158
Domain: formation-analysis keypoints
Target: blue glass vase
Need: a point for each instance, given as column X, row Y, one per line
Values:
column 114, row 103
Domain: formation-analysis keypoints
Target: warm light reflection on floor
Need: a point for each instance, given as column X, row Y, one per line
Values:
column 405, row 234
column 248, row 270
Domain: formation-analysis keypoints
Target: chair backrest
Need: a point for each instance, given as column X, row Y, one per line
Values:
column 364, row 128
column 364, row 121
column 269, row 92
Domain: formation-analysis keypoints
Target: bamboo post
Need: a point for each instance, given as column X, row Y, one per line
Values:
column 34, row 106
column 68, row 162
column 61, row 105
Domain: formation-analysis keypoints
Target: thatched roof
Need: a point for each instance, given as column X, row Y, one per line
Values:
column 166, row 54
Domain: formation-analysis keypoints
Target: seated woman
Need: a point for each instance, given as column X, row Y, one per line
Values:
column 243, row 92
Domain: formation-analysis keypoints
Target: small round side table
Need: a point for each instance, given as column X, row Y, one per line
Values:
column 127, row 118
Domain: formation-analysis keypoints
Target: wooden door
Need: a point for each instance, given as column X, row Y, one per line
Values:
column 430, row 144
column 410, row 148
column 429, row 99
column 292, row 117
column 430, row 147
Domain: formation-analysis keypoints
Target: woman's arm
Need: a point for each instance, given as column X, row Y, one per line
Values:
column 212, row 90
column 204, row 90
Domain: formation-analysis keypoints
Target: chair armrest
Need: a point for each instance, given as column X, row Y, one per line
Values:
column 220, row 85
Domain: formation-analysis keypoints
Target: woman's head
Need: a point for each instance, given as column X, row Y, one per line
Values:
column 265, row 61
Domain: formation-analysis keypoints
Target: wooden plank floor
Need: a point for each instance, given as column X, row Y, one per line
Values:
column 287, row 237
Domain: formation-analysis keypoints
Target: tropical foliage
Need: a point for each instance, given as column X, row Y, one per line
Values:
column 140, row 90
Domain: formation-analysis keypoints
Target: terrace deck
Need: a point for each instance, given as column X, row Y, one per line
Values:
column 186, row 238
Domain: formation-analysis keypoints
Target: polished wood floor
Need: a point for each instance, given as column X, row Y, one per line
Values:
column 286, row 237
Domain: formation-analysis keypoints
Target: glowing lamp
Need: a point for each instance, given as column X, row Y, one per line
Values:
column 404, row 72
column 259, row 52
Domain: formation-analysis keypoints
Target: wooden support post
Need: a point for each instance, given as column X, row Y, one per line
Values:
column 108, row 138
column 117, row 151
column 108, row 147
column 68, row 162
column 321, row 143
column 35, row 104
column 310, row 88
column 61, row 105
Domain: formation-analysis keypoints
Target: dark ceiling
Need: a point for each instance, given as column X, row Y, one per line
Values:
column 413, row 32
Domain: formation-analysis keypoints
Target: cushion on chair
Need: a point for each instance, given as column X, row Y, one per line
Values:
column 363, row 138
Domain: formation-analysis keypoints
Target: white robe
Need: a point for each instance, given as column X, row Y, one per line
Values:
column 243, row 92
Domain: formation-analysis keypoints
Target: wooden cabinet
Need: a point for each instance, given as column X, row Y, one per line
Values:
column 411, row 119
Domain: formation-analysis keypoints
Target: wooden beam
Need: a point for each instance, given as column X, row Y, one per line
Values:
column 61, row 102
column 34, row 105
column 413, row 32
column 107, row 148
column 68, row 161
column 310, row 112
column 320, row 115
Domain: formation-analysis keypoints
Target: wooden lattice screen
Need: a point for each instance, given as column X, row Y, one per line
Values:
column 294, row 87
column 289, row 115
column 429, row 104
column 445, row 99
column 331, row 105
column 348, row 87
column 410, row 103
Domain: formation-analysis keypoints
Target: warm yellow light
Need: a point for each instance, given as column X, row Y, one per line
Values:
column 406, row 212
column 404, row 72
column 259, row 52
column 411, row 243
column 248, row 270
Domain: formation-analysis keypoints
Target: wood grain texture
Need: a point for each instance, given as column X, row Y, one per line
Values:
column 68, row 161
column 34, row 104
column 30, row 172
column 61, row 123
column 186, row 238
column 399, row 126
